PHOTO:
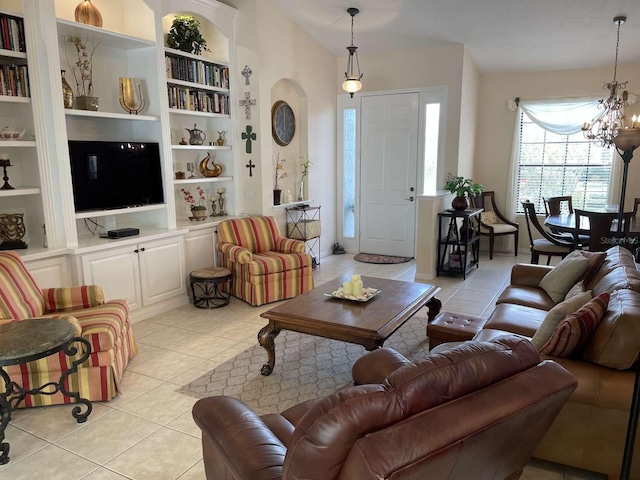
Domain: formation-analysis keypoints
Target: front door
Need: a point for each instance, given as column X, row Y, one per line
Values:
column 389, row 160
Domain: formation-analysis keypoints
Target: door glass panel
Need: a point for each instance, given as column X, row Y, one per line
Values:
column 349, row 174
column 431, row 133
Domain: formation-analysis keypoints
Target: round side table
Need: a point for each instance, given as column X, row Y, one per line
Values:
column 205, row 287
column 32, row 339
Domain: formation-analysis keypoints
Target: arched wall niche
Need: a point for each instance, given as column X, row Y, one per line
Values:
column 291, row 92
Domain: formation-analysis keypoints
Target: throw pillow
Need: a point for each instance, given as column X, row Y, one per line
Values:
column 555, row 315
column 596, row 259
column 489, row 218
column 564, row 276
column 575, row 330
column 577, row 289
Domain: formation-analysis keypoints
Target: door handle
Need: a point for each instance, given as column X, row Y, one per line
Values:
column 410, row 199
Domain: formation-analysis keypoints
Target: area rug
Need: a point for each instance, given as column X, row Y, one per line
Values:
column 375, row 258
column 306, row 367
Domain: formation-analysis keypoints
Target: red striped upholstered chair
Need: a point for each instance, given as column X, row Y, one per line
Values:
column 106, row 325
column 265, row 266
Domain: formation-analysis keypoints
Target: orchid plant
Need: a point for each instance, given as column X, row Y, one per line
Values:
column 82, row 69
column 278, row 165
column 189, row 198
column 306, row 163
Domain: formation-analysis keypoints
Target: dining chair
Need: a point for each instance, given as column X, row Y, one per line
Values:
column 492, row 222
column 554, row 205
column 600, row 229
column 636, row 202
column 549, row 245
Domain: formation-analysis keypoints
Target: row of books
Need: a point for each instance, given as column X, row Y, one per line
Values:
column 197, row 100
column 197, row 71
column 14, row 81
column 12, row 33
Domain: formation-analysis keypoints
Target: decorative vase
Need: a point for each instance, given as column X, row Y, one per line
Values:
column 301, row 191
column 67, row 92
column 86, row 12
column 210, row 172
column 84, row 102
column 198, row 215
column 131, row 99
column 459, row 203
column 220, row 140
column 276, row 196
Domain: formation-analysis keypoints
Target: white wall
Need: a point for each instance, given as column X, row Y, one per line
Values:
column 468, row 117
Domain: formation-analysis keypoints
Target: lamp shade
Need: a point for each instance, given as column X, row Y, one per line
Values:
column 628, row 139
column 351, row 85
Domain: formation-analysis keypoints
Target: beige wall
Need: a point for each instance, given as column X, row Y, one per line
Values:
column 495, row 125
column 425, row 67
column 468, row 116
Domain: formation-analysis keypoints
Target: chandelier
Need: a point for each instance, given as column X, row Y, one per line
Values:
column 604, row 127
column 352, row 83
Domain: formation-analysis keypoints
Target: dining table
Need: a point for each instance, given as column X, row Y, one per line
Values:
column 566, row 223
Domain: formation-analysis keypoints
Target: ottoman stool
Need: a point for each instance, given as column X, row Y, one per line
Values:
column 453, row 327
column 206, row 282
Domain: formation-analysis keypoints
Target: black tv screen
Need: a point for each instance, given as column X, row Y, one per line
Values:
column 110, row 175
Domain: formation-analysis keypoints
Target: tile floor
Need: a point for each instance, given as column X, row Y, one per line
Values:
column 147, row 433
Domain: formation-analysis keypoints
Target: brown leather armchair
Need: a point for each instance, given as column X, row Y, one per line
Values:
column 456, row 415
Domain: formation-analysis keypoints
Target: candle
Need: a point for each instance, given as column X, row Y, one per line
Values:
column 221, row 190
column 213, row 198
column 355, row 278
column 357, row 288
column 346, row 288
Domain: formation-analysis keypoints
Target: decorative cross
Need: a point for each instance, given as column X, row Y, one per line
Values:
column 250, row 166
column 247, row 103
column 248, row 136
column 246, row 73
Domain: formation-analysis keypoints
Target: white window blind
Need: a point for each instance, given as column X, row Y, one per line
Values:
column 550, row 165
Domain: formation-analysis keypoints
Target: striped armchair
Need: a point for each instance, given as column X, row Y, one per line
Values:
column 265, row 267
column 106, row 325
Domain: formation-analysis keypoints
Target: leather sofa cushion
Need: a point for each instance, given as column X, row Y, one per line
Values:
column 615, row 341
column 534, row 297
column 516, row 319
column 611, row 276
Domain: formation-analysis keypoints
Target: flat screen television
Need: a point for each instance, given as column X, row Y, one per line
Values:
column 111, row 175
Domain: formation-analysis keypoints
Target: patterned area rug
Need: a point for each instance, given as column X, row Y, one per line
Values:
column 306, row 367
column 374, row 258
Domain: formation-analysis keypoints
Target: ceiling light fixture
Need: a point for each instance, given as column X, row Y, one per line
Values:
column 352, row 83
column 604, row 127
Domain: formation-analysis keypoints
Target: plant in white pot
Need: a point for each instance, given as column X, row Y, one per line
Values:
column 82, row 70
column 463, row 188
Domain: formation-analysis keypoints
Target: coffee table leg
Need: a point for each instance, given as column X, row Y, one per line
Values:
column 434, row 305
column 266, row 338
column 5, row 411
column 70, row 349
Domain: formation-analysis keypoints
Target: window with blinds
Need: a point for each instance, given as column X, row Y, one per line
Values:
column 551, row 165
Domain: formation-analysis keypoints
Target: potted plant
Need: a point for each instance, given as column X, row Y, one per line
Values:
column 306, row 163
column 185, row 35
column 463, row 188
column 198, row 211
column 82, row 71
column 278, row 165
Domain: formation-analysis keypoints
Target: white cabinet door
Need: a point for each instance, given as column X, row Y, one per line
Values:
column 162, row 272
column 118, row 273
column 200, row 250
column 50, row 272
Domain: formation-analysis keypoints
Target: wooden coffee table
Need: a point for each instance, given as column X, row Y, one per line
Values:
column 366, row 323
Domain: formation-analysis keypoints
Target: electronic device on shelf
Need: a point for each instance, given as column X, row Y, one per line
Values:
column 123, row 232
column 112, row 175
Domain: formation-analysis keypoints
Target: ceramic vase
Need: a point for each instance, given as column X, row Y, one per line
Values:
column 459, row 203
column 67, row 92
column 86, row 12
column 276, row 197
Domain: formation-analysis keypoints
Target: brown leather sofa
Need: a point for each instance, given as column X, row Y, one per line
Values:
column 455, row 415
column 590, row 431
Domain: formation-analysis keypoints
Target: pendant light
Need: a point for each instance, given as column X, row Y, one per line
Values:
column 352, row 81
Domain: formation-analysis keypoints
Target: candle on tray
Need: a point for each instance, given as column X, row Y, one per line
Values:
column 357, row 287
column 346, row 288
column 355, row 278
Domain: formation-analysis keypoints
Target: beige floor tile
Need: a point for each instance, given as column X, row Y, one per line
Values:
column 145, row 352
column 145, row 328
column 175, row 317
column 232, row 352
column 133, row 385
column 205, row 346
column 104, row 474
column 169, row 337
column 193, row 373
column 238, row 331
column 160, row 405
column 185, row 424
column 166, row 365
column 194, row 473
column 165, row 455
column 21, row 444
column 108, row 436
column 202, row 323
column 40, row 465
column 55, row 421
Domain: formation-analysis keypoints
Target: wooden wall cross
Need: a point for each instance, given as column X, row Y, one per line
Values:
column 250, row 166
column 247, row 103
column 248, row 136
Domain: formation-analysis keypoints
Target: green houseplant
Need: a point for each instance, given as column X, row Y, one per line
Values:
column 185, row 35
column 463, row 188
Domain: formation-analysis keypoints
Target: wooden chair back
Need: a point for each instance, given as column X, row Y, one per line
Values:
column 554, row 205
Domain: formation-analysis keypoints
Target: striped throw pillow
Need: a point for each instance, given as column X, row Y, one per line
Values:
column 576, row 329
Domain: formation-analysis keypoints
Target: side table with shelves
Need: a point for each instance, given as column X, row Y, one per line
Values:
column 458, row 241
column 303, row 223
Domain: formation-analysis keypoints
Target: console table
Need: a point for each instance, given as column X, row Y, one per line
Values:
column 458, row 241
column 29, row 340
column 303, row 223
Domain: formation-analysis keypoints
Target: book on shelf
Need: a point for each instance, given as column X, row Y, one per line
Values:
column 197, row 71
column 14, row 81
column 12, row 33
column 184, row 98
